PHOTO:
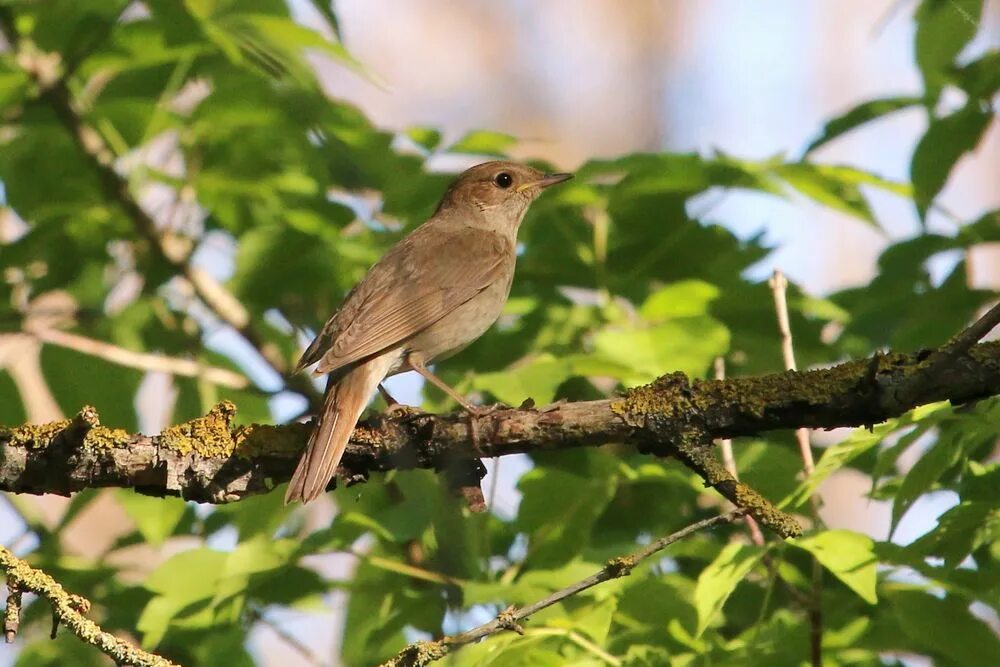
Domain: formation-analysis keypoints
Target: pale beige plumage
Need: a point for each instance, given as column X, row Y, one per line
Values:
column 432, row 294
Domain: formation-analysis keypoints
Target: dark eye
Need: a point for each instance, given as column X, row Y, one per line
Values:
column 503, row 180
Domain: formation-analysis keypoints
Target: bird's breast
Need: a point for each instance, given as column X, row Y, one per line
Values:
column 459, row 328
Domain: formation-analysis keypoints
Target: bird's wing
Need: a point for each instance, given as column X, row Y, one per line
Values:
column 426, row 276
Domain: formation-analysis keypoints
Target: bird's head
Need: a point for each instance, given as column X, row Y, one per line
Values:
column 500, row 191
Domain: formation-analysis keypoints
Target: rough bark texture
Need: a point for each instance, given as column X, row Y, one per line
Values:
column 207, row 460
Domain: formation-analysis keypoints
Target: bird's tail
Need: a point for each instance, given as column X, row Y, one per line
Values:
column 343, row 405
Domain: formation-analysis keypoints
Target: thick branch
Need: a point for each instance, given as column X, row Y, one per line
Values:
column 207, row 460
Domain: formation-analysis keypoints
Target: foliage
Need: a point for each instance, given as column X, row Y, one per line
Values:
column 308, row 193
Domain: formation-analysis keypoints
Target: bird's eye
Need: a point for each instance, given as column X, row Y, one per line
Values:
column 503, row 180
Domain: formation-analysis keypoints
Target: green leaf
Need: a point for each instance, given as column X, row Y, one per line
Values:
column 946, row 140
column 538, row 379
column 588, row 616
column 860, row 115
column 483, row 142
column 274, row 45
column 687, row 344
column 944, row 27
column 768, row 467
column 684, row 298
column 155, row 518
column 645, row 655
column 71, row 377
column 178, row 585
column 325, row 9
column 960, row 531
column 859, row 442
column 981, row 78
column 426, row 137
column 717, row 581
column 848, row 555
column 945, row 627
column 13, row 86
column 825, row 187
column 941, row 456
column 558, row 525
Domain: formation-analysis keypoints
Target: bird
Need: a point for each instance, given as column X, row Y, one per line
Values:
column 432, row 294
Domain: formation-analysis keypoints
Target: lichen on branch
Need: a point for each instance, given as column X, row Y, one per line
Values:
column 208, row 459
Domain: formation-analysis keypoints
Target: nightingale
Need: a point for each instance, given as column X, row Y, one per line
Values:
column 435, row 292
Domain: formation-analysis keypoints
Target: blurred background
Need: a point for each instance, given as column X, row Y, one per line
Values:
column 577, row 80
column 574, row 80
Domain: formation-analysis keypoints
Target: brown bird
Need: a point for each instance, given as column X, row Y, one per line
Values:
column 430, row 296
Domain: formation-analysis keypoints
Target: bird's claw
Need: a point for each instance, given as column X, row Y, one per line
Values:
column 403, row 413
column 480, row 411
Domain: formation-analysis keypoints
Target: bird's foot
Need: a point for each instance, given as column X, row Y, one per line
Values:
column 480, row 411
column 403, row 413
column 553, row 407
column 476, row 414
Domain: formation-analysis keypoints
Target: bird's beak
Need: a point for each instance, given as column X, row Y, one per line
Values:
column 544, row 182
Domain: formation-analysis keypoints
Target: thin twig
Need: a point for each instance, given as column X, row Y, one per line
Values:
column 729, row 461
column 141, row 360
column 307, row 653
column 423, row 653
column 959, row 344
column 577, row 639
column 948, row 359
column 779, row 285
column 70, row 610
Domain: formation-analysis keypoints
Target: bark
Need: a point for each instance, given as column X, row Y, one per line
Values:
column 209, row 460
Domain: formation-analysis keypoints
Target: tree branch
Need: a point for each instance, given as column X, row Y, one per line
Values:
column 142, row 361
column 421, row 654
column 68, row 610
column 208, row 460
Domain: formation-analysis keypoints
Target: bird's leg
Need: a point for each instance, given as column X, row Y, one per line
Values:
column 418, row 366
column 387, row 397
column 474, row 411
column 396, row 409
column 466, row 476
column 477, row 410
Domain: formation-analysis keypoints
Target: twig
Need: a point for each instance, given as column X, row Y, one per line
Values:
column 577, row 639
column 948, row 359
column 779, row 285
column 68, row 610
column 729, row 461
column 423, row 653
column 692, row 451
column 143, row 361
column 307, row 654
column 12, row 613
column 961, row 342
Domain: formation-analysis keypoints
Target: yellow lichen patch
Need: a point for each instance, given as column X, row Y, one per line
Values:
column 264, row 440
column 664, row 396
column 88, row 417
column 208, row 436
column 35, row 436
column 104, row 437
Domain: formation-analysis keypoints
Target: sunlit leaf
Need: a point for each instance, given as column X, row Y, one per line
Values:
column 848, row 555
column 717, row 581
